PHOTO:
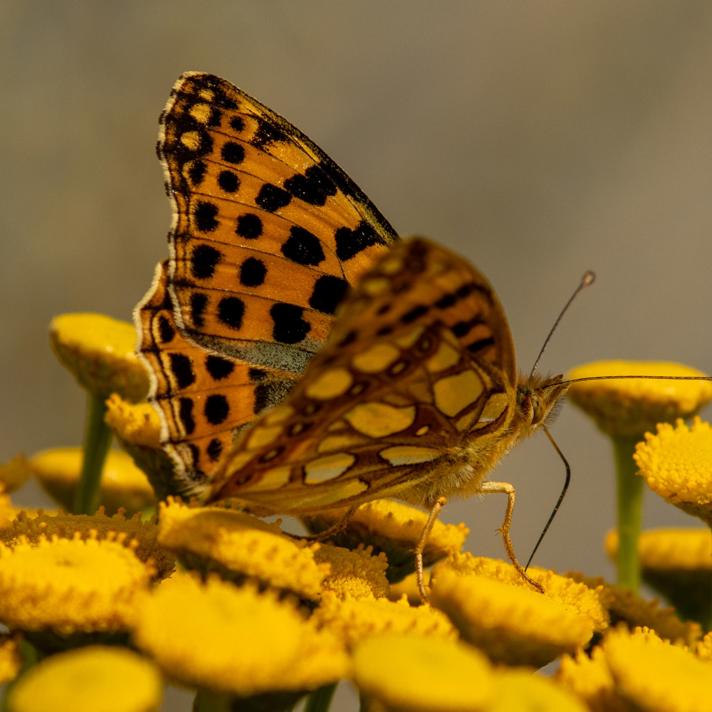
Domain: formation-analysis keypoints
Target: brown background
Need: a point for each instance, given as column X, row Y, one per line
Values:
column 539, row 139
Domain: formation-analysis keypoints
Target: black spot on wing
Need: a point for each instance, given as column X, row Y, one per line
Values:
column 249, row 226
column 182, row 370
column 289, row 326
column 252, row 272
column 231, row 310
column 218, row 367
column 205, row 214
column 313, row 187
column 216, row 409
column 303, row 247
column 204, row 259
column 272, row 197
column 198, row 303
column 350, row 242
column 328, row 293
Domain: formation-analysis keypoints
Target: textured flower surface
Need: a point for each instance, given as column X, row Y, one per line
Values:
column 676, row 462
column 235, row 640
column 630, row 407
column 86, row 585
column 92, row 678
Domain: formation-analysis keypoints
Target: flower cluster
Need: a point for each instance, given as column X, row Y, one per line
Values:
column 102, row 608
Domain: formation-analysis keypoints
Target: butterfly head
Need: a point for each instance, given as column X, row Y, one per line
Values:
column 537, row 399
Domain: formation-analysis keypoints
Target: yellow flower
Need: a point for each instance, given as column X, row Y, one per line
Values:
column 495, row 610
column 10, row 661
column 69, row 585
column 629, row 407
column 678, row 564
column 413, row 674
column 134, row 423
column 13, row 474
column 89, row 679
column 393, row 528
column 101, row 353
column 589, row 678
column 626, row 606
column 658, row 676
column 140, row 535
column 234, row 640
column 355, row 619
column 676, row 463
column 353, row 573
column 122, row 483
column 704, row 647
column 524, row 691
column 237, row 545
column 138, row 429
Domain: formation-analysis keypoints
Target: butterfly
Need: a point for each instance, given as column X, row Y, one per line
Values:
column 301, row 356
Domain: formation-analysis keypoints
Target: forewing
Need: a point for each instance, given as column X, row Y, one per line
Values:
column 268, row 234
column 269, row 231
column 387, row 404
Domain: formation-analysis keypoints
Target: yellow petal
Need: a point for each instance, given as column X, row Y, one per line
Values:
column 234, row 640
column 123, row 485
column 422, row 674
column 524, row 691
column 101, row 353
column 676, row 462
column 658, row 676
column 90, row 679
column 238, row 545
column 630, row 407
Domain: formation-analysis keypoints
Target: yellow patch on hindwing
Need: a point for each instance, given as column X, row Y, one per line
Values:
column 454, row 393
column 330, row 384
column 328, row 467
column 376, row 358
column 377, row 420
column 409, row 454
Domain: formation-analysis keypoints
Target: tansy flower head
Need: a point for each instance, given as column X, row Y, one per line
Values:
column 100, row 352
column 628, row 607
column 69, row 585
column 656, row 675
column 138, row 429
column 10, row 661
column 499, row 613
column 353, row 573
column 524, row 691
column 630, row 407
column 235, row 640
column 678, row 564
column 141, row 536
column 123, row 485
column 393, row 528
column 239, row 546
column 404, row 673
column 355, row 619
column 89, row 679
column 590, row 679
column 704, row 647
column 14, row 474
column 676, row 463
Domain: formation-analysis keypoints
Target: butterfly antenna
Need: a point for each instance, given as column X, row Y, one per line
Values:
column 586, row 281
column 567, row 481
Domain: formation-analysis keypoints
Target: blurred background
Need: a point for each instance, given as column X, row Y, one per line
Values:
column 539, row 139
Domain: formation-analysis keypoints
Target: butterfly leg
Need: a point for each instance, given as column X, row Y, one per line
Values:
column 420, row 546
column 508, row 489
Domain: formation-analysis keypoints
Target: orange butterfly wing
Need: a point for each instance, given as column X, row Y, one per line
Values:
column 268, row 235
column 420, row 360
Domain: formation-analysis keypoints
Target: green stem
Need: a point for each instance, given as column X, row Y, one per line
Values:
column 630, row 507
column 97, row 437
column 320, row 700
